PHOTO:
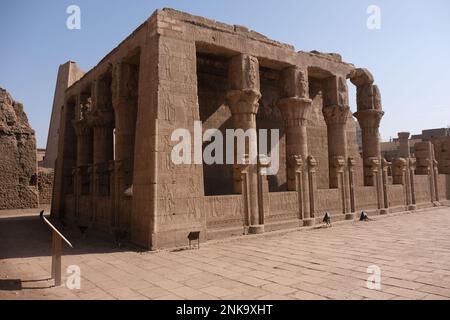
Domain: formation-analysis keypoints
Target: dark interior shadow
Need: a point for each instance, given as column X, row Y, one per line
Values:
column 22, row 237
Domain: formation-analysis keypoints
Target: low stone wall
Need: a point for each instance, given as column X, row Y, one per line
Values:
column 396, row 195
column 224, row 211
column 444, row 187
column 45, row 185
column 329, row 200
column 283, row 206
column 422, row 188
column 366, row 198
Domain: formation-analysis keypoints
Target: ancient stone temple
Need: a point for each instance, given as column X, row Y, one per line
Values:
column 114, row 170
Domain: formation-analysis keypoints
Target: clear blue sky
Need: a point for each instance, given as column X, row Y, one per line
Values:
column 409, row 56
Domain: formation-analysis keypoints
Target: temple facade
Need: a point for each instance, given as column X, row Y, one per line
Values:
column 114, row 170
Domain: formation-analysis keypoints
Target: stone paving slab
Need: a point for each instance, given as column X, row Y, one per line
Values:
column 412, row 251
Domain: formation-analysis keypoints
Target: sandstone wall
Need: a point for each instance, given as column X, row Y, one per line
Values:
column 45, row 185
column 18, row 177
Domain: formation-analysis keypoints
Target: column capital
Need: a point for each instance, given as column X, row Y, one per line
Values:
column 412, row 164
column 100, row 118
column 81, row 127
column 263, row 164
column 338, row 162
column 296, row 161
column 351, row 162
column 336, row 114
column 372, row 163
column 243, row 101
column 369, row 118
column 312, row 164
column 385, row 164
column 295, row 111
column 399, row 163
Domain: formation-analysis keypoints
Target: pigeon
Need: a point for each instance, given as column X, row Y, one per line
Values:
column 327, row 219
column 83, row 230
column 364, row 216
column 120, row 236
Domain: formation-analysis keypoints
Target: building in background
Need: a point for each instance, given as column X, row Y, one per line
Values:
column 68, row 73
column 390, row 149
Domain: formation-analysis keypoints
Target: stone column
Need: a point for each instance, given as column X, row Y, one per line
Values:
column 125, row 112
column 404, row 150
column 351, row 182
column 369, row 116
column 369, row 121
column 338, row 167
column 373, row 171
column 412, row 169
column 336, row 112
column 243, row 101
column 312, row 165
column 84, row 158
column 295, row 107
column 84, row 142
column 385, row 165
column 436, row 182
column 243, row 170
column 302, row 181
column 263, row 187
column 124, row 101
column 102, row 122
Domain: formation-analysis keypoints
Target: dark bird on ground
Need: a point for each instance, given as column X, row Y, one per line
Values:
column 83, row 230
column 327, row 219
column 364, row 216
column 120, row 236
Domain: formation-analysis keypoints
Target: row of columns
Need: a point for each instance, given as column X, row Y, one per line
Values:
column 105, row 129
column 295, row 106
column 405, row 167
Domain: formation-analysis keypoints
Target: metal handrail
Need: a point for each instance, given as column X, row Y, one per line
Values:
column 56, row 249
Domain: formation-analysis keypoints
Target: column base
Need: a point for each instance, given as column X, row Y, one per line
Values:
column 309, row 222
column 256, row 229
column 350, row 216
column 384, row 211
column 412, row 207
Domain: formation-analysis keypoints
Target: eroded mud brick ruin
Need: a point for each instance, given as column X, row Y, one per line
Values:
column 23, row 184
column 114, row 170
column 18, row 167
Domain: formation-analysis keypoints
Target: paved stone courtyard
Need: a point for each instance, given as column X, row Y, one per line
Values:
column 412, row 250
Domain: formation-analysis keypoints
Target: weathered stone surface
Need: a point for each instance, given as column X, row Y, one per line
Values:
column 18, row 178
column 45, row 185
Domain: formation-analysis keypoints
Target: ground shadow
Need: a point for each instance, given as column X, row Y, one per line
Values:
column 22, row 237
